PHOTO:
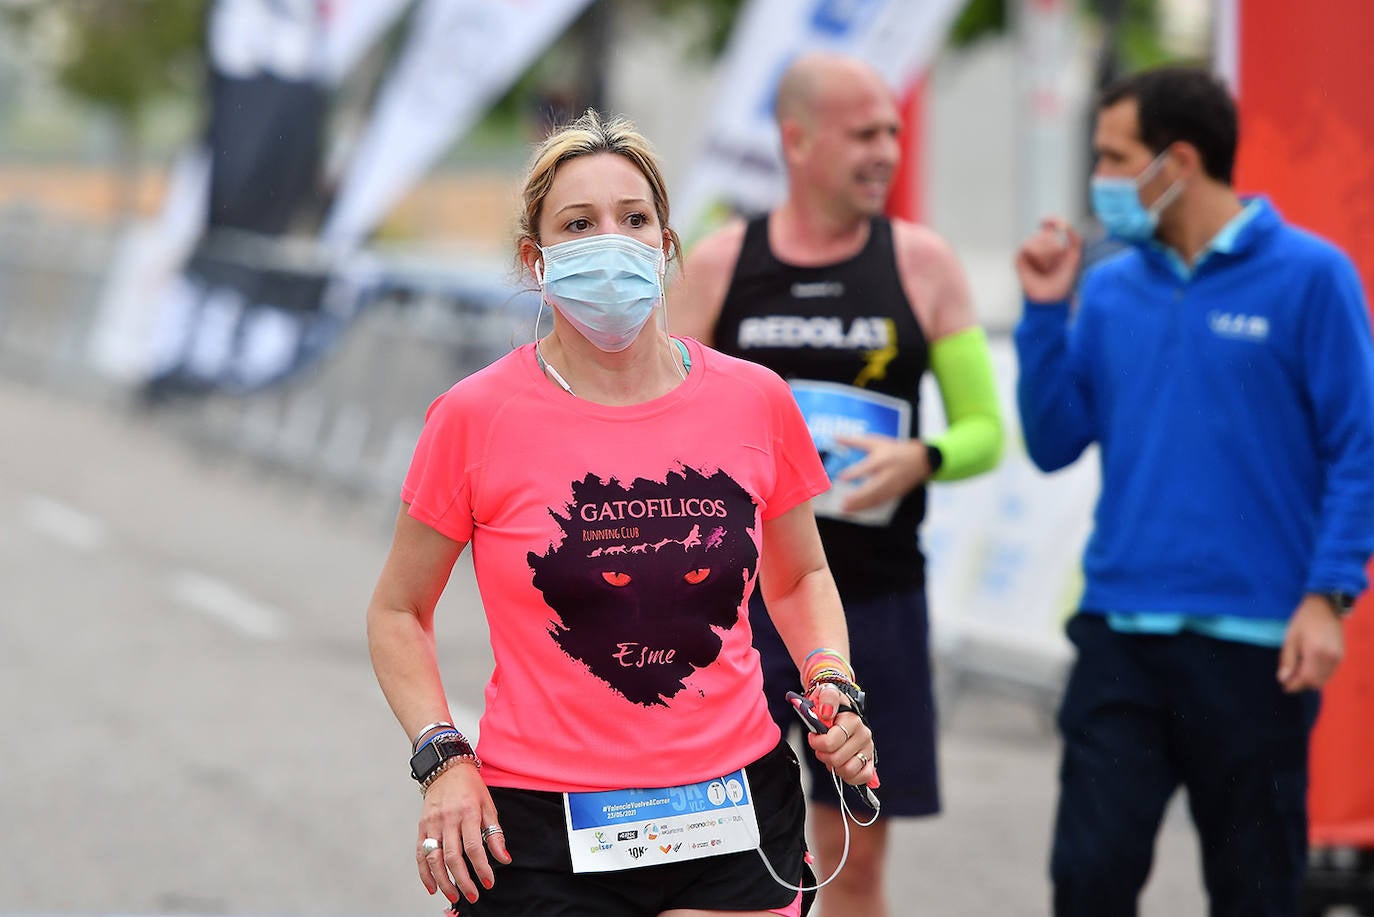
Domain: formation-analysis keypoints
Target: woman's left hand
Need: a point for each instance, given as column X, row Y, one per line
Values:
column 847, row 748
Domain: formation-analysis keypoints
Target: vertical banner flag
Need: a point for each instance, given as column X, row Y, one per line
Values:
column 459, row 57
column 270, row 270
column 739, row 168
column 206, row 298
column 1307, row 125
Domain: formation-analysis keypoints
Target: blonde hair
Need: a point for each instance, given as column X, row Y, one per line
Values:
column 587, row 135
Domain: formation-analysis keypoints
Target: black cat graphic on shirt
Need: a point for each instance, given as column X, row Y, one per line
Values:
column 645, row 573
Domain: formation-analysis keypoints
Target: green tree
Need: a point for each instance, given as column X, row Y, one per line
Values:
column 979, row 18
column 120, row 57
column 126, row 54
column 1130, row 26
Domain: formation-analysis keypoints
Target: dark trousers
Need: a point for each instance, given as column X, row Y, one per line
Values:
column 1143, row 715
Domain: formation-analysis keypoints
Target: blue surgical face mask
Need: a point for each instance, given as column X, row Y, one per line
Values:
column 605, row 285
column 1116, row 201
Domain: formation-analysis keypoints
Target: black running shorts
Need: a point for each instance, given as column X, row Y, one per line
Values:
column 540, row 882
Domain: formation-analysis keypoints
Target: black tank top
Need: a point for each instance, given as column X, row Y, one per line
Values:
column 848, row 323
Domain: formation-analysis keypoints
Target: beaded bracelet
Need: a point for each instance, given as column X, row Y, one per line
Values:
column 834, row 678
column 445, row 765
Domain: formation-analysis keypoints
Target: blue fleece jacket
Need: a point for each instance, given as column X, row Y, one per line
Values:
column 1234, row 410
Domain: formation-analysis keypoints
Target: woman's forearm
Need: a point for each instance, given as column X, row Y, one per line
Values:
column 808, row 614
column 407, row 667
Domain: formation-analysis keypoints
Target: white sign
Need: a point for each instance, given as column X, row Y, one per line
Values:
column 1004, row 549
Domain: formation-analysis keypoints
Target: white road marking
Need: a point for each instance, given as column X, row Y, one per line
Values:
column 221, row 601
column 62, row 523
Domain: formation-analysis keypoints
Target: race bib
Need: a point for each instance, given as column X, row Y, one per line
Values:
column 626, row 829
column 832, row 410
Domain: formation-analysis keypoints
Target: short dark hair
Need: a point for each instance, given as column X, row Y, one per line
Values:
column 1183, row 103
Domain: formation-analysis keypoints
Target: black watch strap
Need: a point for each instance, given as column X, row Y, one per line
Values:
column 934, row 457
column 430, row 755
column 1343, row 602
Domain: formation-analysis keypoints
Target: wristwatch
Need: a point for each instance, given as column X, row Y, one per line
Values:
column 1343, row 602
column 432, row 754
column 934, row 457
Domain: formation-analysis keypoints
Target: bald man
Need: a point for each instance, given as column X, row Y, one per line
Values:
column 853, row 308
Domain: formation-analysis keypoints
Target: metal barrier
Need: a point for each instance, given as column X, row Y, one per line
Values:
column 348, row 423
column 50, row 278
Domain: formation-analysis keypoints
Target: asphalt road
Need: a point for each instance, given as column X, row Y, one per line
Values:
column 191, row 724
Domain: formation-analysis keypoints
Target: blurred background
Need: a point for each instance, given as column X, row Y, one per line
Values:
column 243, row 243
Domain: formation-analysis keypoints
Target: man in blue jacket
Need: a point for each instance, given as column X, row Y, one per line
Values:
column 1223, row 364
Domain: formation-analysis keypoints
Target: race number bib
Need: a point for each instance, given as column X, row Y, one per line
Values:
column 626, row 829
column 834, row 410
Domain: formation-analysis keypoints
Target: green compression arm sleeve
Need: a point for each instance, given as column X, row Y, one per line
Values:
column 972, row 444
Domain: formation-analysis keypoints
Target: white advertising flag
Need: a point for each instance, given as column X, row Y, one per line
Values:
column 460, row 55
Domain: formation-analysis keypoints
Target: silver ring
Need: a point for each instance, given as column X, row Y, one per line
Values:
column 863, row 758
column 429, row 845
column 840, row 726
column 491, row 831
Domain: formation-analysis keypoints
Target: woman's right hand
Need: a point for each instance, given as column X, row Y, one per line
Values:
column 458, row 811
column 847, row 748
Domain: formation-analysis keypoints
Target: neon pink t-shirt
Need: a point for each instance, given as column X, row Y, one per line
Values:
column 615, row 550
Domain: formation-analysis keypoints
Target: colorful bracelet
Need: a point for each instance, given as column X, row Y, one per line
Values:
column 825, row 662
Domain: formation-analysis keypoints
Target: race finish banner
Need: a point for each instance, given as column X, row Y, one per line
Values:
column 739, row 169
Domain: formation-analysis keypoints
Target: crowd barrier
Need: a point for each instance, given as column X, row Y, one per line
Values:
column 348, row 421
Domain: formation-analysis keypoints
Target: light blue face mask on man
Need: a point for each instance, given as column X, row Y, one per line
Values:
column 1116, row 202
column 605, row 285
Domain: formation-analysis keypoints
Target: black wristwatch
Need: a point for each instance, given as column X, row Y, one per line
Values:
column 1343, row 602
column 934, row 457
column 427, row 760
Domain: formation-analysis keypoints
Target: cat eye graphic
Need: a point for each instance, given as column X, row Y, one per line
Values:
column 619, row 579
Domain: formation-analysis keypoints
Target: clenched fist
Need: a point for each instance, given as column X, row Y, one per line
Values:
column 1048, row 261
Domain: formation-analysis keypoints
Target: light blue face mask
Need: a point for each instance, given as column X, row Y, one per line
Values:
column 1116, row 202
column 606, row 286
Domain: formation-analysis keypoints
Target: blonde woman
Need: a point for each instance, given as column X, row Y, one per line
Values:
column 624, row 492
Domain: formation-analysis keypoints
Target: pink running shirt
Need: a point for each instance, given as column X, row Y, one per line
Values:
column 615, row 550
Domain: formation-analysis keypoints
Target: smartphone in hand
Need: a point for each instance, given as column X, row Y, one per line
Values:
column 806, row 712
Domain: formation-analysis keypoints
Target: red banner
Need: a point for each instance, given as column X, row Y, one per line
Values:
column 906, row 199
column 1307, row 129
